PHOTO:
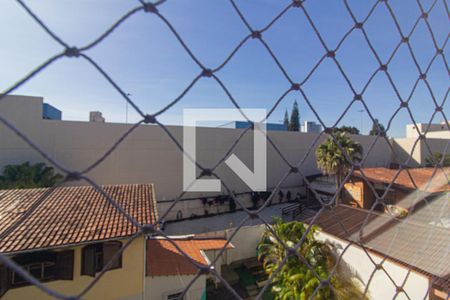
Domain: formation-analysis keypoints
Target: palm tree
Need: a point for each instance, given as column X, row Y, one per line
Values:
column 28, row 175
column 332, row 161
column 295, row 280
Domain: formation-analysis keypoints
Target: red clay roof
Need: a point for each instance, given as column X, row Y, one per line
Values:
column 163, row 259
column 71, row 215
column 420, row 176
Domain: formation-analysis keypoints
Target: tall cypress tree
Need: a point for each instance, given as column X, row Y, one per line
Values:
column 294, row 124
column 286, row 119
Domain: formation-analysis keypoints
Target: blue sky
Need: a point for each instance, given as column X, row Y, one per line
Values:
column 147, row 61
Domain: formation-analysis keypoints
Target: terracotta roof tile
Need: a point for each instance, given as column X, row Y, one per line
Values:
column 72, row 215
column 163, row 259
column 423, row 178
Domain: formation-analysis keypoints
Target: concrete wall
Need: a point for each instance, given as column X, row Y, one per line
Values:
column 158, row 288
column 403, row 147
column 212, row 255
column 123, row 283
column 443, row 134
column 196, row 207
column 439, row 131
column 148, row 154
column 380, row 287
column 436, row 145
column 245, row 242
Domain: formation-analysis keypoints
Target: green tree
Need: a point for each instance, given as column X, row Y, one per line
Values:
column 28, row 175
column 332, row 161
column 295, row 280
column 294, row 124
column 377, row 127
column 286, row 119
column 346, row 129
column 436, row 158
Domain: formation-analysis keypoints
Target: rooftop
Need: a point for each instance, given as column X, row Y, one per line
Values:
column 424, row 178
column 71, row 215
column 163, row 259
column 423, row 247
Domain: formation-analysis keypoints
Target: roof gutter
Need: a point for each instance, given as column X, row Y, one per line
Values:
column 65, row 246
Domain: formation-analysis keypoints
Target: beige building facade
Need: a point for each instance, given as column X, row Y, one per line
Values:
column 126, row 282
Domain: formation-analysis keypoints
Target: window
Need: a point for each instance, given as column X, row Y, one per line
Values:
column 43, row 271
column 96, row 256
column 42, row 265
column 176, row 296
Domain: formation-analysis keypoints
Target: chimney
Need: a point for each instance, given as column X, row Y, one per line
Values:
column 96, row 117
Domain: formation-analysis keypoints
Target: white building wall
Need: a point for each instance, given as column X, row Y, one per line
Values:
column 419, row 150
column 149, row 155
column 245, row 241
column 405, row 147
column 437, row 131
column 443, row 134
column 380, row 286
column 219, row 260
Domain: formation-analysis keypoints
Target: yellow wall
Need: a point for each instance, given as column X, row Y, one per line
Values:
column 123, row 283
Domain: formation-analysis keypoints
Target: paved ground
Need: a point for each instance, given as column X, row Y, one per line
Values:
column 229, row 220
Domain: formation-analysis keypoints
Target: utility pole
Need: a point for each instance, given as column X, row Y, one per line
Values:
column 361, row 111
column 126, row 109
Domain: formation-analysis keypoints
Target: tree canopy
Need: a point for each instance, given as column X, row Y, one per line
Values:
column 437, row 158
column 28, row 175
column 294, row 123
column 377, row 127
column 295, row 280
column 286, row 119
column 346, row 129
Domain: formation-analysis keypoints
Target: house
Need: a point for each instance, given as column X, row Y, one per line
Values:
column 410, row 187
column 169, row 272
column 64, row 236
column 400, row 256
